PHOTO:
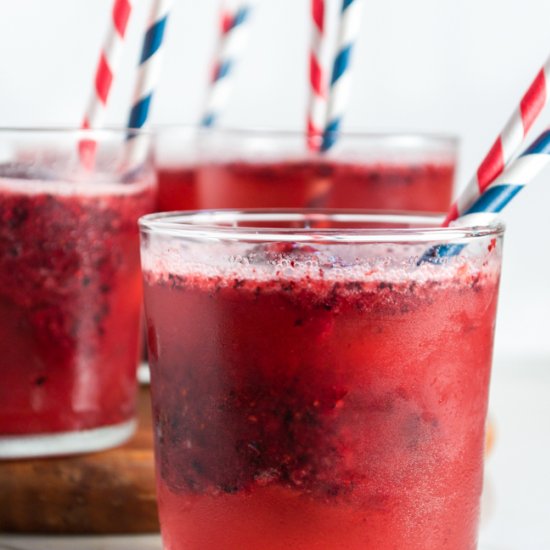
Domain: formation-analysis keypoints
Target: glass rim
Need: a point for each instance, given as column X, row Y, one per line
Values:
column 207, row 224
column 347, row 134
column 82, row 133
column 439, row 138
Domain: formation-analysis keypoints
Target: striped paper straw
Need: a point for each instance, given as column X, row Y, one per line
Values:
column 148, row 75
column 340, row 84
column 516, row 176
column 499, row 193
column 232, row 41
column 109, row 60
column 506, row 144
column 317, row 98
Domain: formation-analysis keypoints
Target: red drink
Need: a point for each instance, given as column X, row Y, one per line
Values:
column 305, row 401
column 416, row 187
column 70, row 303
column 398, row 187
column 177, row 188
column 285, row 184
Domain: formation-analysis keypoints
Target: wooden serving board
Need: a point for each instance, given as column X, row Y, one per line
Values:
column 108, row 492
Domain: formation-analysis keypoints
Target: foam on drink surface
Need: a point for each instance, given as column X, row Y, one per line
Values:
column 317, row 265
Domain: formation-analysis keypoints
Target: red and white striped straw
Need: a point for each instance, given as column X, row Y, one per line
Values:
column 107, row 66
column 317, row 77
column 506, row 144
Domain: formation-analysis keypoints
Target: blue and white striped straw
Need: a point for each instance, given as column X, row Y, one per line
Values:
column 340, row 83
column 148, row 74
column 496, row 197
column 232, row 41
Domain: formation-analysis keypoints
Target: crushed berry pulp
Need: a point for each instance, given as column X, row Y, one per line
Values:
column 70, row 303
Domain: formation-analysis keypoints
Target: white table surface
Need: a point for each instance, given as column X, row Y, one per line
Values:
column 517, row 488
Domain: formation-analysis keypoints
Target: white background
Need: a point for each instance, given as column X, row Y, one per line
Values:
column 453, row 66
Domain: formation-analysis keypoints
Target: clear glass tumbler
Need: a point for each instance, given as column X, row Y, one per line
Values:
column 317, row 382
column 70, row 288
